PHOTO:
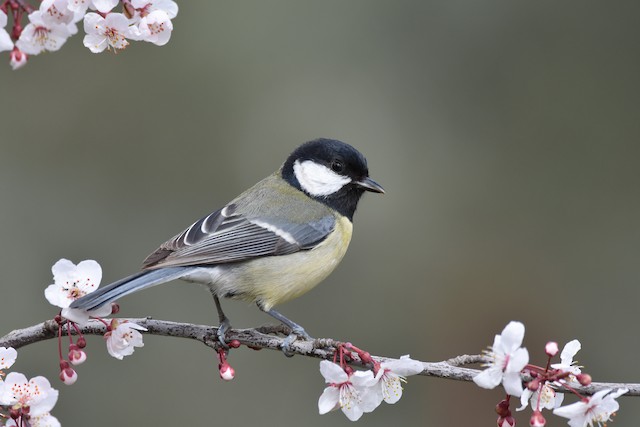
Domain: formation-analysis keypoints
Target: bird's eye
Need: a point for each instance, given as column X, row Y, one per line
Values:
column 337, row 166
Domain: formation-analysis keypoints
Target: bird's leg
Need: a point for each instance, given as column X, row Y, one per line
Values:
column 296, row 330
column 224, row 323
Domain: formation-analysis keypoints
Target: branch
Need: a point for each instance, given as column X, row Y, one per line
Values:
column 264, row 337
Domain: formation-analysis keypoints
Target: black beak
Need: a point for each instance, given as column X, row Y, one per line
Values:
column 370, row 185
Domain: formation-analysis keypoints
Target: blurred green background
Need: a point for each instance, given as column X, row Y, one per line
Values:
column 505, row 133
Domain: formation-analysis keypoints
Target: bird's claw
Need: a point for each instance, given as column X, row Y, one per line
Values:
column 286, row 346
column 225, row 325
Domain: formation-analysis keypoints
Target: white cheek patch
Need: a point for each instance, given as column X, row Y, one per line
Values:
column 318, row 180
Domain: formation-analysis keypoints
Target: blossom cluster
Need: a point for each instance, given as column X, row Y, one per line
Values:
column 54, row 21
column 25, row 402
column 359, row 392
column 508, row 363
column 70, row 283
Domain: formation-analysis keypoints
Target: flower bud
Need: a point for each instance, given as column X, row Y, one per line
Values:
column 507, row 421
column 227, row 373
column 76, row 356
column 502, row 408
column 18, row 59
column 537, row 420
column 68, row 376
column 584, row 379
column 115, row 308
column 234, row 344
column 533, row 385
column 81, row 343
column 365, row 357
column 551, row 348
column 14, row 413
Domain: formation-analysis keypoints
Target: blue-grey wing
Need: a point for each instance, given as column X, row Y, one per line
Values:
column 228, row 236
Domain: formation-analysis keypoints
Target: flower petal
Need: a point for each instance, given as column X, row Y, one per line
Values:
column 489, row 378
column 404, row 366
column 512, row 336
column 518, row 360
column 569, row 351
column 352, row 410
column 329, row 400
column 524, row 399
column 362, row 379
column 332, row 372
column 512, row 383
column 7, row 357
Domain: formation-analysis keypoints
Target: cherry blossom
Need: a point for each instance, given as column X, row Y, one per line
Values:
column 391, row 375
column 39, row 35
column 56, row 12
column 123, row 338
column 353, row 393
column 36, row 393
column 109, row 32
column 5, row 39
column 566, row 360
column 156, row 28
column 507, row 360
column 72, row 282
column 543, row 398
column 596, row 409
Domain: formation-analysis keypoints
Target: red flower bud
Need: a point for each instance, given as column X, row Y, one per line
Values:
column 584, row 379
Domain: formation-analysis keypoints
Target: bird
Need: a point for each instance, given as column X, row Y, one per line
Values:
column 271, row 244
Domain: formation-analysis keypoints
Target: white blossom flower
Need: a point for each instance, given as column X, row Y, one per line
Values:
column 596, row 409
column 7, row 357
column 391, row 375
column 507, row 360
column 122, row 338
column 145, row 7
column 36, row 393
column 103, row 33
column 56, row 12
column 72, row 282
column 546, row 397
column 41, row 420
column 5, row 39
column 566, row 361
column 351, row 393
column 39, row 36
column 155, row 28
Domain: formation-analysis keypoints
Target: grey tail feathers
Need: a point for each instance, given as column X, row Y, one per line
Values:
column 128, row 285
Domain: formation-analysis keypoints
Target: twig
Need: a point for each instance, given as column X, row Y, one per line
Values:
column 264, row 337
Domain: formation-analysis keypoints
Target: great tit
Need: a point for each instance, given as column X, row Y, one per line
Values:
column 272, row 243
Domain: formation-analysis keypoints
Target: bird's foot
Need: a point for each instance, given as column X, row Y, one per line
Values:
column 225, row 325
column 286, row 346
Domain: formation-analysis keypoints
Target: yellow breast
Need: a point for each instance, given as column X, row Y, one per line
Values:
column 275, row 280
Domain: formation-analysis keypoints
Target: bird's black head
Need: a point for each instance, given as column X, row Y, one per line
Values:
column 331, row 172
